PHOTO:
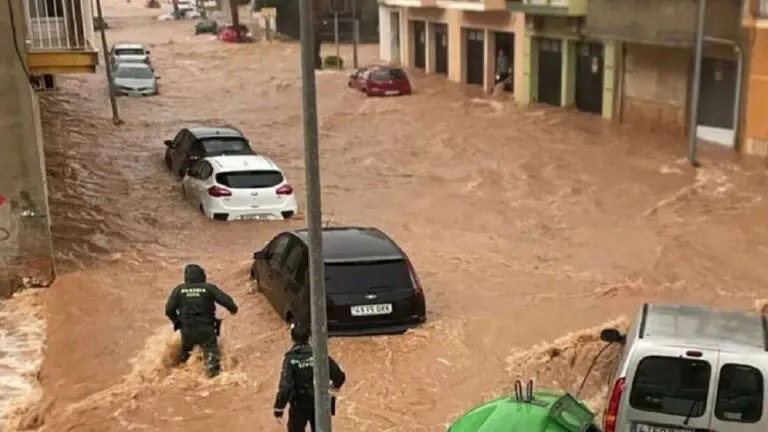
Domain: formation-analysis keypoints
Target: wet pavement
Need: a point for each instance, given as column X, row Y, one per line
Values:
column 524, row 224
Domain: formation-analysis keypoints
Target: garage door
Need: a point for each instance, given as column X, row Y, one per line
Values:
column 550, row 71
column 475, row 53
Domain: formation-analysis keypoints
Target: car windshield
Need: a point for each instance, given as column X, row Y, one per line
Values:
column 129, row 52
column 366, row 276
column 226, row 146
column 671, row 385
column 388, row 74
column 134, row 72
column 250, row 179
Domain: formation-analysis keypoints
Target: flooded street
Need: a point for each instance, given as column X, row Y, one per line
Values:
column 524, row 224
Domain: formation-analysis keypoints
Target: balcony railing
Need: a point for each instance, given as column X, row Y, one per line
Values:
column 60, row 25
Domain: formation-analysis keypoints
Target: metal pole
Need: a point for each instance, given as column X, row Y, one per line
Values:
column 355, row 33
column 696, row 86
column 108, row 67
column 336, row 38
column 314, row 221
column 737, row 102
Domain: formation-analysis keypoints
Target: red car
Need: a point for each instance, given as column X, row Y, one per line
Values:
column 380, row 81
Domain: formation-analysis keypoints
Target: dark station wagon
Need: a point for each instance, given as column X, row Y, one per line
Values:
column 371, row 285
column 194, row 143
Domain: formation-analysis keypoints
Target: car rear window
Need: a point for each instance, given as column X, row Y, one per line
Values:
column 388, row 74
column 739, row 394
column 367, row 276
column 129, row 51
column 224, row 146
column 250, row 179
column 671, row 385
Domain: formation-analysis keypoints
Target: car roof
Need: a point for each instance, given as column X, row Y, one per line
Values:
column 245, row 162
column 703, row 326
column 128, row 46
column 355, row 244
column 201, row 132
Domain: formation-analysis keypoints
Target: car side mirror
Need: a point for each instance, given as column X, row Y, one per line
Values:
column 261, row 255
column 612, row 335
column 168, row 143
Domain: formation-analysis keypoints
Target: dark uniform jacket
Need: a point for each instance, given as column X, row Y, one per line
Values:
column 194, row 302
column 297, row 378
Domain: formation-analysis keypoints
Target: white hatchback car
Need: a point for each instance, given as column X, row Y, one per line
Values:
column 239, row 188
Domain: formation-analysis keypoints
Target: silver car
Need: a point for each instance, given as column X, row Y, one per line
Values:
column 687, row 368
column 129, row 53
column 135, row 79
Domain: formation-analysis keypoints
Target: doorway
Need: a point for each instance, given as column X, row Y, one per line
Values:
column 475, row 56
column 505, row 43
column 441, row 48
column 394, row 35
column 419, row 44
column 550, row 71
column 589, row 77
column 716, row 101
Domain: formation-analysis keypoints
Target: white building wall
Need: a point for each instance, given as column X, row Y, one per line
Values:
column 385, row 33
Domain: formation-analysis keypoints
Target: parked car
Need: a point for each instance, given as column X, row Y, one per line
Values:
column 239, row 188
column 124, row 53
column 380, row 81
column 135, row 79
column 194, row 143
column 371, row 285
column 537, row 411
column 690, row 368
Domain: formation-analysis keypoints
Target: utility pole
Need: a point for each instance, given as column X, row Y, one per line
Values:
column 108, row 67
column 336, row 36
column 318, row 311
column 696, row 85
column 355, row 33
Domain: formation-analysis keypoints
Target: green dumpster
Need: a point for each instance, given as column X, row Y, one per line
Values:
column 539, row 411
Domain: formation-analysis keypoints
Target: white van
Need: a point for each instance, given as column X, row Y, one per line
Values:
column 687, row 368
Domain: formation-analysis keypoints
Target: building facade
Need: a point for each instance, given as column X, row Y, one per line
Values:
column 755, row 136
column 41, row 39
column 460, row 39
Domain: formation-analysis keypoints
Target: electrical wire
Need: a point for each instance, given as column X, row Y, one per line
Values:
column 16, row 43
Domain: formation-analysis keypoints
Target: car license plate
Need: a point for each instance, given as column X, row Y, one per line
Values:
column 255, row 217
column 639, row 427
column 134, row 94
column 368, row 310
column 391, row 92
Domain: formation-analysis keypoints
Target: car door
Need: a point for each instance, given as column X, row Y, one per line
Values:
column 180, row 150
column 195, row 153
column 290, row 280
column 267, row 270
column 188, row 183
column 740, row 399
column 202, row 182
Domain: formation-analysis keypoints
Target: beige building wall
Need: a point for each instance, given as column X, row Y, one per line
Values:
column 456, row 21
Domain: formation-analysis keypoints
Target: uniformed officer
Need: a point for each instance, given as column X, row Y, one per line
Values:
column 192, row 309
column 296, row 383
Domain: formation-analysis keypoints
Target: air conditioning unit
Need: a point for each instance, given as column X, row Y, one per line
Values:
column 43, row 82
column 534, row 23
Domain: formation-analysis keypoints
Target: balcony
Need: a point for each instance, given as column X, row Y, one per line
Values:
column 60, row 37
column 473, row 5
column 549, row 7
column 409, row 3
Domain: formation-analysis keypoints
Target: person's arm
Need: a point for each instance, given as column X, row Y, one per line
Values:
column 222, row 298
column 172, row 306
column 285, row 388
column 338, row 377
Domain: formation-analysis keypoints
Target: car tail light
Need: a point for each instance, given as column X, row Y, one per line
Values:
column 414, row 279
column 609, row 425
column 218, row 192
column 284, row 190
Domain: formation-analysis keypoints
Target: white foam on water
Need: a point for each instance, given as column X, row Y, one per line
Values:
column 22, row 341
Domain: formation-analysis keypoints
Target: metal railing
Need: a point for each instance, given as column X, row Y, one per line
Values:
column 59, row 24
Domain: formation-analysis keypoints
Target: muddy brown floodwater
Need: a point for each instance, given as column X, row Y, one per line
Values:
column 525, row 224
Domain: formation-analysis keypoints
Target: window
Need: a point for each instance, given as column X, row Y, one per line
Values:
column 276, row 248
column 250, row 179
column 196, row 169
column 133, row 72
column 292, row 260
column 389, row 74
column 671, row 385
column 205, row 171
column 224, row 146
column 367, row 276
column 129, row 52
column 185, row 141
column 739, row 394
